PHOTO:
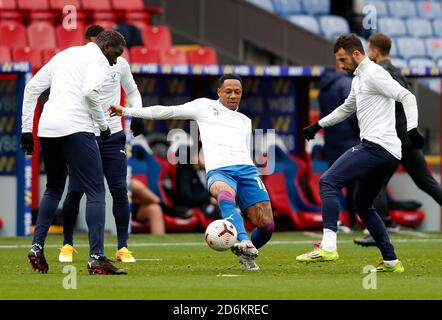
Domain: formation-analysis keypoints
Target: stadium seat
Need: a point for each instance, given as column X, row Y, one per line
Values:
column 305, row 21
column 381, row 7
column 11, row 15
column 173, row 56
column 429, row 9
column 97, row 5
column 333, row 26
column 439, row 63
column 205, row 55
column 107, row 25
column 402, row 9
column 12, row 34
column 140, row 24
column 60, row 4
column 264, row 4
column 128, row 5
column 398, row 62
column 46, row 16
column 421, row 63
column 49, row 53
column 434, row 48
column 69, row 37
column 437, row 27
column 144, row 55
column 287, row 7
column 32, row 55
column 316, row 7
column 126, row 55
column 418, row 27
column 157, row 37
column 33, row 4
column 5, row 54
column 8, row 4
column 41, row 35
column 393, row 27
column 108, row 16
column 393, row 50
column 411, row 47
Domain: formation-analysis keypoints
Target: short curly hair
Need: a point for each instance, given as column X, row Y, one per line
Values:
column 110, row 37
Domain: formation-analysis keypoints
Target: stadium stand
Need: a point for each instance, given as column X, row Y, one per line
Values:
column 12, row 34
column 202, row 56
column 157, row 37
column 144, row 55
column 172, row 56
column 28, row 54
column 41, row 35
column 5, row 54
column 49, row 53
column 69, row 37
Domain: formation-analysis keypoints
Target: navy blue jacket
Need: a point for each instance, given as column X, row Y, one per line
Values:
column 334, row 89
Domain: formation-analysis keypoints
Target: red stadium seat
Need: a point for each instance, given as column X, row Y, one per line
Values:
column 157, row 37
column 49, row 53
column 142, row 25
column 41, row 35
column 126, row 55
column 8, row 5
column 97, row 5
column 107, row 25
column 47, row 16
column 13, row 34
column 202, row 56
column 70, row 37
column 129, row 5
column 144, row 55
column 105, row 16
column 10, row 15
column 33, row 4
column 173, row 56
column 60, row 4
column 32, row 55
column 5, row 54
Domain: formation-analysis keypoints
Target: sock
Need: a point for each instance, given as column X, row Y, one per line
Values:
column 229, row 212
column 391, row 263
column 261, row 235
column 328, row 240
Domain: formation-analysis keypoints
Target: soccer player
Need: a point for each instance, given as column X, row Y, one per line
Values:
column 370, row 163
column 113, row 158
column 413, row 160
column 66, row 133
column 231, row 173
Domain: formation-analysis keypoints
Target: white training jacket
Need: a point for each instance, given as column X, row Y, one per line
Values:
column 372, row 96
column 75, row 76
column 225, row 134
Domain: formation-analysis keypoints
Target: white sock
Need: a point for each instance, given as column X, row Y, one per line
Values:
column 328, row 240
column 390, row 263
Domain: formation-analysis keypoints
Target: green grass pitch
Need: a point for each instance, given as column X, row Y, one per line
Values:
column 182, row 266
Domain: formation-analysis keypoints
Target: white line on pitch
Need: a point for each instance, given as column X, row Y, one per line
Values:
column 312, row 234
column 138, row 259
column 192, row 244
column 229, row 275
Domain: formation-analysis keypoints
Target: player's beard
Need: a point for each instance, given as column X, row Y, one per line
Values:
column 352, row 67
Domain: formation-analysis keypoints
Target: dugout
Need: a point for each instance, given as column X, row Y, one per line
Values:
column 275, row 97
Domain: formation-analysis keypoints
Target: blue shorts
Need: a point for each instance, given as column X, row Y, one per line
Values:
column 245, row 180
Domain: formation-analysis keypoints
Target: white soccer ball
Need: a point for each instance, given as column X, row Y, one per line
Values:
column 221, row 235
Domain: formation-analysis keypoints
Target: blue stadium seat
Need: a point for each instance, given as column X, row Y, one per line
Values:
column 333, row 26
column 399, row 63
column 393, row 50
column 381, row 7
column 418, row 27
column 264, row 4
column 402, row 9
column 437, row 27
column 305, row 21
column 364, row 44
column 411, row 47
column 316, row 7
column 439, row 63
column 393, row 27
column 429, row 9
column 421, row 63
column 287, row 7
column 434, row 48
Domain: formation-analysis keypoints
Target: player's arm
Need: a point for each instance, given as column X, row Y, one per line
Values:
column 387, row 86
column 34, row 88
column 338, row 115
column 95, row 75
column 133, row 96
column 187, row 111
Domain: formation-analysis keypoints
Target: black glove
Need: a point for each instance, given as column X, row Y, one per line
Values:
column 104, row 135
column 310, row 131
column 27, row 143
column 416, row 138
column 137, row 126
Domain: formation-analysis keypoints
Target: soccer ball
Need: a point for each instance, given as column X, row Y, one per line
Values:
column 221, row 235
